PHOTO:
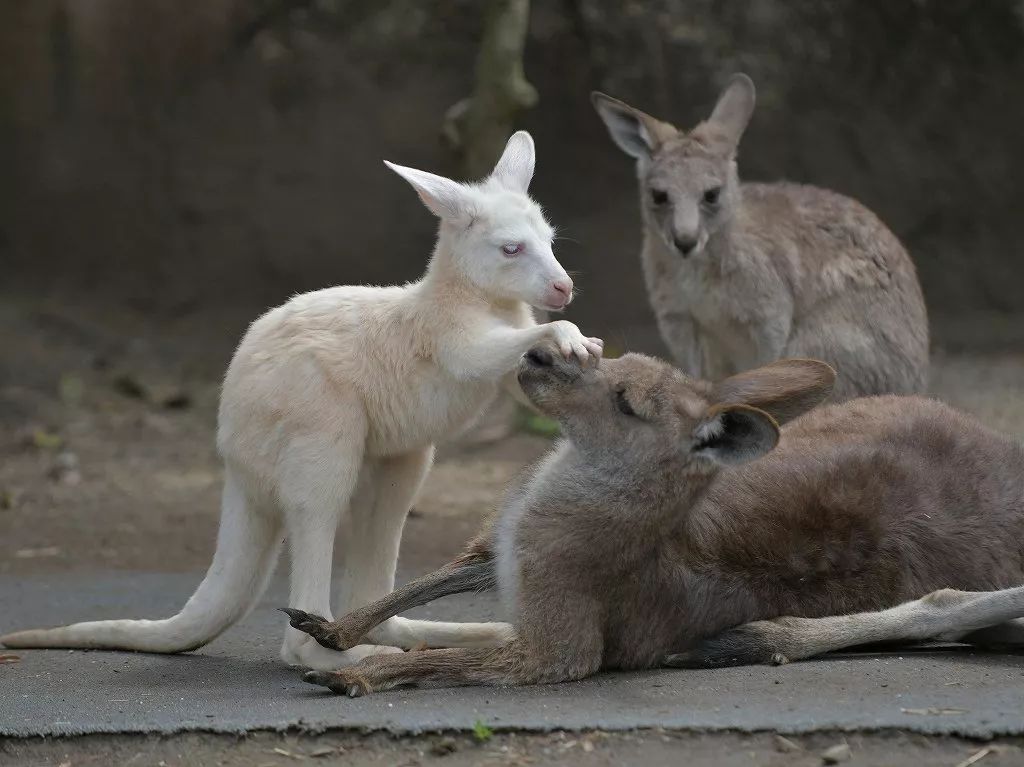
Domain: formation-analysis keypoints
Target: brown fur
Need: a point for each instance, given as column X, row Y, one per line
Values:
column 645, row 535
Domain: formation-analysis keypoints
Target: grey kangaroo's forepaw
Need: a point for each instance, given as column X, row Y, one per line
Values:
column 316, row 626
column 736, row 647
column 341, row 682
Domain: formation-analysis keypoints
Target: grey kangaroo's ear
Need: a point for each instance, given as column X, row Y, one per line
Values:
column 514, row 169
column 636, row 133
column 734, row 108
column 442, row 196
column 735, row 434
column 783, row 389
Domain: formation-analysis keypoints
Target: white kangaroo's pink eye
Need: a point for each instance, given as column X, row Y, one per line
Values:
column 512, row 248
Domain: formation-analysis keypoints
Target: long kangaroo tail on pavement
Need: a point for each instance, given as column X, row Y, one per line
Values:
column 247, row 548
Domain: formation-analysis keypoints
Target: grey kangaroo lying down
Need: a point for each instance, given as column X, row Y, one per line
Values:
column 677, row 521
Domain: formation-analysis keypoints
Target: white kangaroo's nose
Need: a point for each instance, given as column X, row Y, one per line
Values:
column 563, row 288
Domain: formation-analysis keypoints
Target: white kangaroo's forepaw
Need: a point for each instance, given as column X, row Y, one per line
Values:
column 306, row 653
column 570, row 341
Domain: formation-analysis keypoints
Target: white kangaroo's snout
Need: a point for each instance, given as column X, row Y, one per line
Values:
column 551, row 285
column 559, row 293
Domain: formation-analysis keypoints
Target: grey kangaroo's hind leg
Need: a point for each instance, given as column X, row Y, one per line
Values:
column 1002, row 636
column 429, row 668
column 506, row 665
column 983, row 618
column 471, row 572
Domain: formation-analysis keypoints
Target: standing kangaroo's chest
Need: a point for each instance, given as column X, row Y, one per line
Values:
column 424, row 407
column 689, row 289
column 416, row 400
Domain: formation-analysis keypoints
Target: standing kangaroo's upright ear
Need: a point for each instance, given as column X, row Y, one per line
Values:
column 514, row 169
column 783, row 389
column 636, row 133
column 734, row 108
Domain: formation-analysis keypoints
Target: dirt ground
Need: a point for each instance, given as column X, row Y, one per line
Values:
column 107, row 442
column 107, row 461
column 656, row 748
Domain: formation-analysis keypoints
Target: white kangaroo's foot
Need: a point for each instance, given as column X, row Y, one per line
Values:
column 308, row 654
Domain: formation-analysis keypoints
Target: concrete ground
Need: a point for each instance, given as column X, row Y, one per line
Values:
column 80, row 708
column 108, row 498
column 237, row 685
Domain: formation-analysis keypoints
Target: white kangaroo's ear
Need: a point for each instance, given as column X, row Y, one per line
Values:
column 515, row 168
column 442, row 196
column 735, row 434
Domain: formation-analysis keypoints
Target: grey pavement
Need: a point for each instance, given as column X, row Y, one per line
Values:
column 237, row 684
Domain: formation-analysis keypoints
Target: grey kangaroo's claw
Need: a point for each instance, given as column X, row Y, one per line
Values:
column 301, row 620
column 316, row 626
column 338, row 682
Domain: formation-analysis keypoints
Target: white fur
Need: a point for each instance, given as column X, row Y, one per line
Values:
column 506, row 529
column 330, row 409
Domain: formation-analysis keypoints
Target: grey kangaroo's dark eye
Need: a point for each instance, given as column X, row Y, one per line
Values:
column 712, row 194
column 659, row 196
column 623, row 404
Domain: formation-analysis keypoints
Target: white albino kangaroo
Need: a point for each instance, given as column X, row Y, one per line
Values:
column 740, row 275
column 330, row 410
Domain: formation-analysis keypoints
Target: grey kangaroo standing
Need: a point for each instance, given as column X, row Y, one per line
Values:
column 743, row 274
column 676, row 510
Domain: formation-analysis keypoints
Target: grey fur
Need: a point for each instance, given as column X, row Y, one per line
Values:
column 676, row 510
column 774, row 270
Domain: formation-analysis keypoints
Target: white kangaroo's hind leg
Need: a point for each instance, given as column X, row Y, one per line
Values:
column 247, row 549
column 318, row 476
column 985, row 618
column 370, row 554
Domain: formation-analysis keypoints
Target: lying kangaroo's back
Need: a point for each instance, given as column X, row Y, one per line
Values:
column 867, row 504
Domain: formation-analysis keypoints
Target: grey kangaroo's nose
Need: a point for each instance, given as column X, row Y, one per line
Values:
column 540, row 357
column 685, row 244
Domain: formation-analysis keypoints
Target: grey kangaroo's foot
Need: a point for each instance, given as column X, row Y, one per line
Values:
column 473, row 571
column 325, row 632
column 742, row 646
column 341, row 682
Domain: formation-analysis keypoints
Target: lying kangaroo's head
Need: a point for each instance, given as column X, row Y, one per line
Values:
column 689, row 185
column 637, row 410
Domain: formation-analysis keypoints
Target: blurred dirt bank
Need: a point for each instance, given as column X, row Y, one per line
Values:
column 180, row 162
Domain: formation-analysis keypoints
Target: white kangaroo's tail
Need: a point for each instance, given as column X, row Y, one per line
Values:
column 247, row 548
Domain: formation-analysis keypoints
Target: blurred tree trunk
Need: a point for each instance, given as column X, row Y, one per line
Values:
column 479, row 126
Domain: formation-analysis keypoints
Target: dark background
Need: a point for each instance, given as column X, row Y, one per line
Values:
column 190, row 164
